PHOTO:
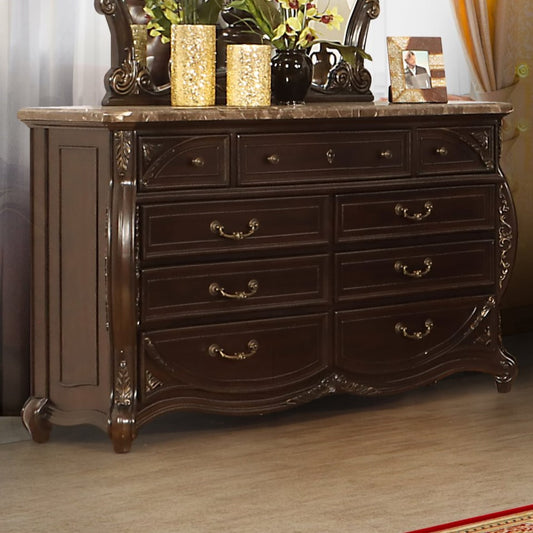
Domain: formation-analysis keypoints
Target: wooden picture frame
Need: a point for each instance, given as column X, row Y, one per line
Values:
column 416, row 66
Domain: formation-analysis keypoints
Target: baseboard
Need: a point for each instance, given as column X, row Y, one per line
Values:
column 12, row 430
column 516, row 320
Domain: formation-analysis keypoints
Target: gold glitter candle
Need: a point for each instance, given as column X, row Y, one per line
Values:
column 139, row 35
column 193, row 65
column 248, row 75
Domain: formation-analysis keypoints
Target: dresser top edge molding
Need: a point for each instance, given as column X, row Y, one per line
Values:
column 335, row 110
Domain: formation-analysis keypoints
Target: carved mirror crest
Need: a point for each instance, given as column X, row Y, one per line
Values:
column 133, row 80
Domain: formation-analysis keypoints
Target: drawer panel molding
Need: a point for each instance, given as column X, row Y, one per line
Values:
column 411, row 271
column 233, row 287
column 237, row 357
column 418, row 339
column 456, row 150
column 323, row 156
column 416, row 212
column 184, row 162
column 200, row 228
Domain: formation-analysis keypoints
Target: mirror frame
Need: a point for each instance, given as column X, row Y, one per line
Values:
column 128, row 82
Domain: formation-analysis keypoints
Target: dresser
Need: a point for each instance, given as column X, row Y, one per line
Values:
column 245, row 261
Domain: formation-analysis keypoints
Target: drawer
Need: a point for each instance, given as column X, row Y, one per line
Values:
column 233, row 287
column 399, row 272
column 456, row 150
column 183, row 162
column 237, row 357
column 199, row 228
column 415, row 212
column 408, row 340
column 322, row 156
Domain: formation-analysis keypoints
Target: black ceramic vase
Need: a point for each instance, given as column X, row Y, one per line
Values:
column 292, row 71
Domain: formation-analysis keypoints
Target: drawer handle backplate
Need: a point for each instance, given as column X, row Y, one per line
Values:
column 330, row 156
column 386, row 154
column 401, row 329
column 215, row 289
column 402, row 211
column 198, row 162
column 404, row 269
column 218, row 229
column 217, row 351
column 273, row 159
column 442, row 150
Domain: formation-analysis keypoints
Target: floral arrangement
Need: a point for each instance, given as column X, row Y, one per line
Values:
column 290, row 24
column 162, row 14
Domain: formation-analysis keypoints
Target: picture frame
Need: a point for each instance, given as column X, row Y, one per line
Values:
column 416, row 66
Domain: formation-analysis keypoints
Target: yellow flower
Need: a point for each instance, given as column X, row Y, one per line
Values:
column 332, row 19
column 289, row 28
column 307, row 37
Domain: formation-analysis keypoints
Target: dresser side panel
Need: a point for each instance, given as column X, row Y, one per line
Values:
column 80, row 365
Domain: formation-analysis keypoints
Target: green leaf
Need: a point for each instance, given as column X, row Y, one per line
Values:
column 208, row 11
column 348, row 52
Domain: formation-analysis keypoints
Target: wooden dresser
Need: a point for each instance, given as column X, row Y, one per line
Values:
column 250, row 260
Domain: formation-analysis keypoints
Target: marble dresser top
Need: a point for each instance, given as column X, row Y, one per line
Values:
column 140, row 114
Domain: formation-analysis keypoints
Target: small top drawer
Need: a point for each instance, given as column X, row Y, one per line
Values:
column 321, row 156
column 199, row 228
column 416, row 212
column 183, row 162
column 456, row 150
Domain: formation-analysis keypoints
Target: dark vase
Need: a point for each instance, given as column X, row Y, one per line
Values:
column 292, row 71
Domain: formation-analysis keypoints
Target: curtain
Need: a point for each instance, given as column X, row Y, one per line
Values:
column 52, row 52
column 498, row 38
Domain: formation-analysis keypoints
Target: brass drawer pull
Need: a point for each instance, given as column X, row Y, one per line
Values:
column 402, row 211
column 400, row 329
column 218, row 229
column 386, row 154
column 217, row 351
column 330, row 156
column 198, row 162
column 215, row 289
column 273, row 159
column 442, row 150
column 404, row 269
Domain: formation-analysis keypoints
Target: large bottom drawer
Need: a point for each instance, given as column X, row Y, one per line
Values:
column 251, row 356
column 403, row 341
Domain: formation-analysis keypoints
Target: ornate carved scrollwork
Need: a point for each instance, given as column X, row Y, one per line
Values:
column 150, row 150
column 489, row 305
column 333, row 384
column 348, row 81
column 128, row 81
column 122, row 293
column 480, row 142
column 123, row 148
column 152, row 383
column 485, row 338
column 505, row 235
column 123, row 387
column 108, row 7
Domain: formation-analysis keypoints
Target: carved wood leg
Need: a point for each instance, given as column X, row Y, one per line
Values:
column 509, row 371
column 35, row 419
column 122, row 429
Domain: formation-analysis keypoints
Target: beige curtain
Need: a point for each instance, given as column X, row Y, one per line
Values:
column 498, row 38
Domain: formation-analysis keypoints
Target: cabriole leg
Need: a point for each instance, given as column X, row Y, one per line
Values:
column 35, row 419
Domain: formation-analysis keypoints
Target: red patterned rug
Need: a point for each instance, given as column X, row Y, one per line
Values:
column 519, row 520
